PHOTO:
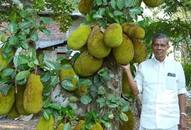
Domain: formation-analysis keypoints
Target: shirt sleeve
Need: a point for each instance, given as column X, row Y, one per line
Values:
column 181, row 80
column 139, row 78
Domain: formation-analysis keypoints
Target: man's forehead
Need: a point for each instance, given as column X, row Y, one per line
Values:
column 160, row 41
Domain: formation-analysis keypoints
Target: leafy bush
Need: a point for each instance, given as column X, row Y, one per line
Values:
column 187, row 71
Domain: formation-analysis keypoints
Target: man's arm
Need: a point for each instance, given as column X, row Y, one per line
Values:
column 132, row 83
column 182, row 106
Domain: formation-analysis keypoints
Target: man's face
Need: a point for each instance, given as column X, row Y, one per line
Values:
column 160, row 47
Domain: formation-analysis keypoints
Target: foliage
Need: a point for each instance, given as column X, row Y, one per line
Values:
column 114, row 11
column 187, row 71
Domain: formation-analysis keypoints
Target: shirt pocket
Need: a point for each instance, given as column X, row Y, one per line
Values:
column 171, row 83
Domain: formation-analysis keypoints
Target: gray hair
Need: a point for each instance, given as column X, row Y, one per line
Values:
column 160, row 36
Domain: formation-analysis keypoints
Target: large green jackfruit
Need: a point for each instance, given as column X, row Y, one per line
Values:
column 85, row 6
column 32, row 100
column 153, row 3
column 125, row 52
column 87, row 65
column 125, row 86
column 44, row 124
column 140, row 51
column 79, row 37
column 3, row 61
column 68, row 74
column 130, row 124
column 19, row 100
column 80, row 125
column 96, row 45
column 133, row 30
column 113, row 35
column 7, row 101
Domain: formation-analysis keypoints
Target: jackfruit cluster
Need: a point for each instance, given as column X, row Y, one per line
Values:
column 32, row 98
column 153, row 3
column 7, row 101
column 79, row 37
column 86, row 65
column 68, row 74
column 85, row 6
column 80, row 126
column 44, row 124
column 130, row 124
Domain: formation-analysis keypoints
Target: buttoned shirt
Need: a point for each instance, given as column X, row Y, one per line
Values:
column 160, row 83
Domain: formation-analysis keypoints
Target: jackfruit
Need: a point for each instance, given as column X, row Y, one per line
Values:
column 124, row 53
column 19, row 100
column 85, row 6
column 87, row 65
column 32, row 100
column 140, row 52
column 125, row 86
column 133, row 30
column 44, row 124
column 3, row 61
column 80, row 125
column 130, row 124
column 67, row 74
column 78, row 37
column 7, row 101
column 60, row 126
column 96, row 45
column 153, row 3
column 113, row 35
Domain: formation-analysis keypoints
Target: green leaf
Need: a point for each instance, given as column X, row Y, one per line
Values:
column 34, row 37
column 118, row 13
column 13, row 27
column 46, row 115
column 46, row 32
column 113, row 4
column 85, row 99
column 54, row 80
column 67, row 126
column 22, row 75
column 46, row 20
column 123, row 116
column 8, row 72
column 101, row 90
column 13, row 40
column 4, row 88
column 120, row 4
column 101, row 102
column 98, row 2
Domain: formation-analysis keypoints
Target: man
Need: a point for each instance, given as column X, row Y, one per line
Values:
column 161, row 82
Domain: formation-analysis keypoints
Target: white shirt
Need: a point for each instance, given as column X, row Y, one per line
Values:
column 160, row 83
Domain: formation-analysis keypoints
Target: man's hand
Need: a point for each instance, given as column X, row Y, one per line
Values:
column 126, row 67
column 182, row 125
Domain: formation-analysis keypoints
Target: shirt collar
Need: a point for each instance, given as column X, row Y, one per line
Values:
column 158, row 62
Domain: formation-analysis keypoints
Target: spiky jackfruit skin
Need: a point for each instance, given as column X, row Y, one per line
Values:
column 125, row 52
column 7, row 101
column 153, row 3
column 19, row 100
column 3, row 61
column 78, row 37
column 86, row 65
column 32, row 100
column 44, row 124
column 130, row 124
column 85, row 6
column 113, row 35
column 60, row 126
column 140, row 51
column 96, row 45
column 80, row 125
column 68, row 73
column 125, row 86
column 133, row 30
